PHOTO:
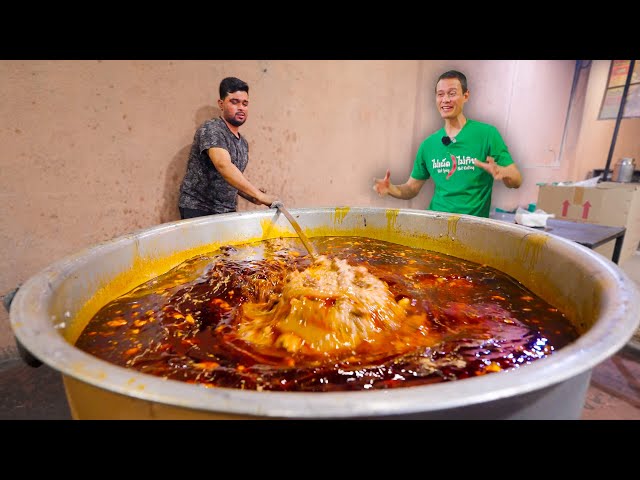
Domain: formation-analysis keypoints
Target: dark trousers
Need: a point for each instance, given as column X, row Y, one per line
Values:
column 191, row 213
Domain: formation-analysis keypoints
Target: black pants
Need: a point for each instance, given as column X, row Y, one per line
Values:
column 191, row 213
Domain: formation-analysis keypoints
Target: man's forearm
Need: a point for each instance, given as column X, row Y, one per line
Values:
column 511, row 176
column 511, row 183
column 236, row 179
column 403, row 192
column 249, row 197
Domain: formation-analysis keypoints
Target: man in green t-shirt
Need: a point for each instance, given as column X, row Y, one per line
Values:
column 451, row 157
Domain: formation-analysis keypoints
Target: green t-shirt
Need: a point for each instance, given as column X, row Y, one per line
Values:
column 460, row 186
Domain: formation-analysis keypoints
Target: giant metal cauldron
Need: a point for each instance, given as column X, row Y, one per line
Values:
column 51, row 308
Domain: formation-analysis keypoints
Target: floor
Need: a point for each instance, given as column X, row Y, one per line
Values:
column 614, row 392
column 30, row 393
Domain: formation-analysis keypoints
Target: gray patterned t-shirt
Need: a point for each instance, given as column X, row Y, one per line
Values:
column 203, row 188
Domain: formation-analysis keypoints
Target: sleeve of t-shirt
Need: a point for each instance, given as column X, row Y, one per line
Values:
column 498, row 149
column 211, row 136
column 420, row 171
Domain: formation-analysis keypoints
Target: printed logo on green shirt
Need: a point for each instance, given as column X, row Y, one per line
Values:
column 450, row 166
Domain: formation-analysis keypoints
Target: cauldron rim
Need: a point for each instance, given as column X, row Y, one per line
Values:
column 34, row 329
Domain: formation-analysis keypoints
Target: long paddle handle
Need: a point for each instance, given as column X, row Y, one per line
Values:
column 297, row 228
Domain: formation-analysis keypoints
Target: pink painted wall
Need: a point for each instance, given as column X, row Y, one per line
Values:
column 95, row 149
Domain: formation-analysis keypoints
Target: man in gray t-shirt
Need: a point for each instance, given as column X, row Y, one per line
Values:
column 219, row 155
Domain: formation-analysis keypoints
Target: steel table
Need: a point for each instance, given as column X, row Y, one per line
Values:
column 587, row 234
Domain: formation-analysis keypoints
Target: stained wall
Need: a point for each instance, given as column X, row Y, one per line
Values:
column 91, row 150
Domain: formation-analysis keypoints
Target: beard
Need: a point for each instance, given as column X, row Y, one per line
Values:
column 235, row 122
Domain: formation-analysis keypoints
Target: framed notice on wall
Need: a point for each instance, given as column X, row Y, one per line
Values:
column 613, row 93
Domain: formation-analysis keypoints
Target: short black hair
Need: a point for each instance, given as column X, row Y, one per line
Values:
column 455, row 74
column 232, row 84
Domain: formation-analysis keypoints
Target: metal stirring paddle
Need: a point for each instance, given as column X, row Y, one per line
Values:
column 307, row 244
column 280, row 206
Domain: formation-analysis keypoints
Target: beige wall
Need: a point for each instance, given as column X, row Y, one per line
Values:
column 95, row 149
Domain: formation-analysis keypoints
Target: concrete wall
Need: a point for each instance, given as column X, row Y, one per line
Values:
column 95, row 149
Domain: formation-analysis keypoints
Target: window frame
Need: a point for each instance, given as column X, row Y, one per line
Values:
column 618, row 71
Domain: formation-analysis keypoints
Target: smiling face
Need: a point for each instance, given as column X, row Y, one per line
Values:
column 449, row 98
column 235, row 107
